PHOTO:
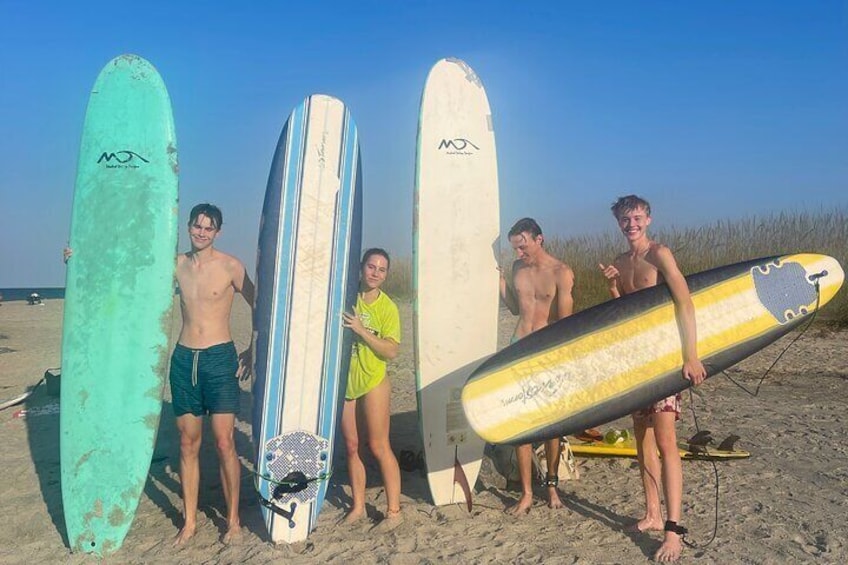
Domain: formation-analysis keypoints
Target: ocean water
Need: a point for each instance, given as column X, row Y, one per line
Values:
column 46, row 293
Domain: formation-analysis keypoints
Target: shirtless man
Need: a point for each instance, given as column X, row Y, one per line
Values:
column 541, row 294
column 646, row 264
column 205, row 367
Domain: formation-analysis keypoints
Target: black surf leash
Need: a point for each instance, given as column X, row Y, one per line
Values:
column 682, row 534
column 293, row 482
column 681, row 531
column 815, row 280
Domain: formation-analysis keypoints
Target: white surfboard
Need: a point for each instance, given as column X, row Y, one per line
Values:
column 455, row 246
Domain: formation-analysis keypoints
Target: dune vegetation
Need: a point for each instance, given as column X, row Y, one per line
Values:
column 696, row 248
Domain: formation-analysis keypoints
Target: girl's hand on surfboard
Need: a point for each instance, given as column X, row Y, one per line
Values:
column 66, row 254
column 694, row 371
column 351, row 320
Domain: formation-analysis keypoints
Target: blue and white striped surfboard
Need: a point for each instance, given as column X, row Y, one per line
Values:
column 306, row 275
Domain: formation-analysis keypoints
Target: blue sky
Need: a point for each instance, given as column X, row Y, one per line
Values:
column 711, row 110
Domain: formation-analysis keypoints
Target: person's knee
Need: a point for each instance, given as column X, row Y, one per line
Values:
column 667, row 447
column 225, row 444
column 189, row 445
column 379, row 447
column 666, row 443
column 352, row 446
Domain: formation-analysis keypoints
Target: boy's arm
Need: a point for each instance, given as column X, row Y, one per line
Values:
column 507, row 293
column 565, row 285
column 613, row 278
column 244, row 286
column 247, row 289
column 684, row 309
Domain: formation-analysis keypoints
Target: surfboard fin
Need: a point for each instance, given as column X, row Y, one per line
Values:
column 287, row 515
column 704, row 437
column 729, row 443
column 460, row 479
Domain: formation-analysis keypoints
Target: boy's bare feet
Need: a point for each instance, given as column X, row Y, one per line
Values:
column 670, row 549
column 522, row 507
column 553, row 498
column 184, row 535
column 646, row 525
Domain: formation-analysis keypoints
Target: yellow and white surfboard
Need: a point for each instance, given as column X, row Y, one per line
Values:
column 619, row 356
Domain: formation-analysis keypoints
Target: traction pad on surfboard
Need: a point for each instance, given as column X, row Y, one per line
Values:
column 784, row 289
column 294, row 452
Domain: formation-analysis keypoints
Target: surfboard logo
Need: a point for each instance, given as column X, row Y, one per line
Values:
column 784, row 290
column 121, row 159
column 458, row 146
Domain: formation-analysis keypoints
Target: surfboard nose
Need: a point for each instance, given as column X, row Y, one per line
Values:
column 825, row 273
column 796, row 285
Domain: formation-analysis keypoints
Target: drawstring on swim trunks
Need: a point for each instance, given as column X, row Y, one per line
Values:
column 194, row 367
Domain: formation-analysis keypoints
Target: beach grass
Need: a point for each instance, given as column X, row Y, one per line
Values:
column 696, row 249
column 399, row 280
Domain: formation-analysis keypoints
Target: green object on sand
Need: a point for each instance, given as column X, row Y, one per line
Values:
column 614, row 436
column 118, row 300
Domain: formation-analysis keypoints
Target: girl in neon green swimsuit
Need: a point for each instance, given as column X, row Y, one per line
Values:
column 376, row 323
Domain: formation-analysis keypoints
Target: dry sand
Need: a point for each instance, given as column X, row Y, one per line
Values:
column 787, row 503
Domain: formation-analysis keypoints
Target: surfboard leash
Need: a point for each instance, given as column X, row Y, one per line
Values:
column 815, row 279
column 694, row 545
column 293, row 482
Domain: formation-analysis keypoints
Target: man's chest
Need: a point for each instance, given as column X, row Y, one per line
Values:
column 538, row 285
column 204, row 284
column 637, row 274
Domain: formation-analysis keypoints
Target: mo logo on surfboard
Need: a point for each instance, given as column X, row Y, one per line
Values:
column 121, row 159
column 457, row 146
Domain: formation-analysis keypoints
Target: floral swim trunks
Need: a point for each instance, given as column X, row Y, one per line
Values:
column 668, row 404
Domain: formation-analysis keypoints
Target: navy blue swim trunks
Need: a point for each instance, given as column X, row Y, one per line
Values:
column 204, row 380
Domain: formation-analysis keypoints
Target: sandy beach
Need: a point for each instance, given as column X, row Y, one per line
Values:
column 786, row 503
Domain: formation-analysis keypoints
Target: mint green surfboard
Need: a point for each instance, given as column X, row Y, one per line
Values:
column 118, row 299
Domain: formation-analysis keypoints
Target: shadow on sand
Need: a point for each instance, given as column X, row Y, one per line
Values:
column 404, row 436
column 42, row 422
column 162, row 486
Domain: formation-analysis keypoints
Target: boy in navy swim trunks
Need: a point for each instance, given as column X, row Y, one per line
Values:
column 205, row 367
column 648, row 263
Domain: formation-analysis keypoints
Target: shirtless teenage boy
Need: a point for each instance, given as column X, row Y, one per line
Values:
column 541, row 294
column 646, row 264
column 205, row 367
